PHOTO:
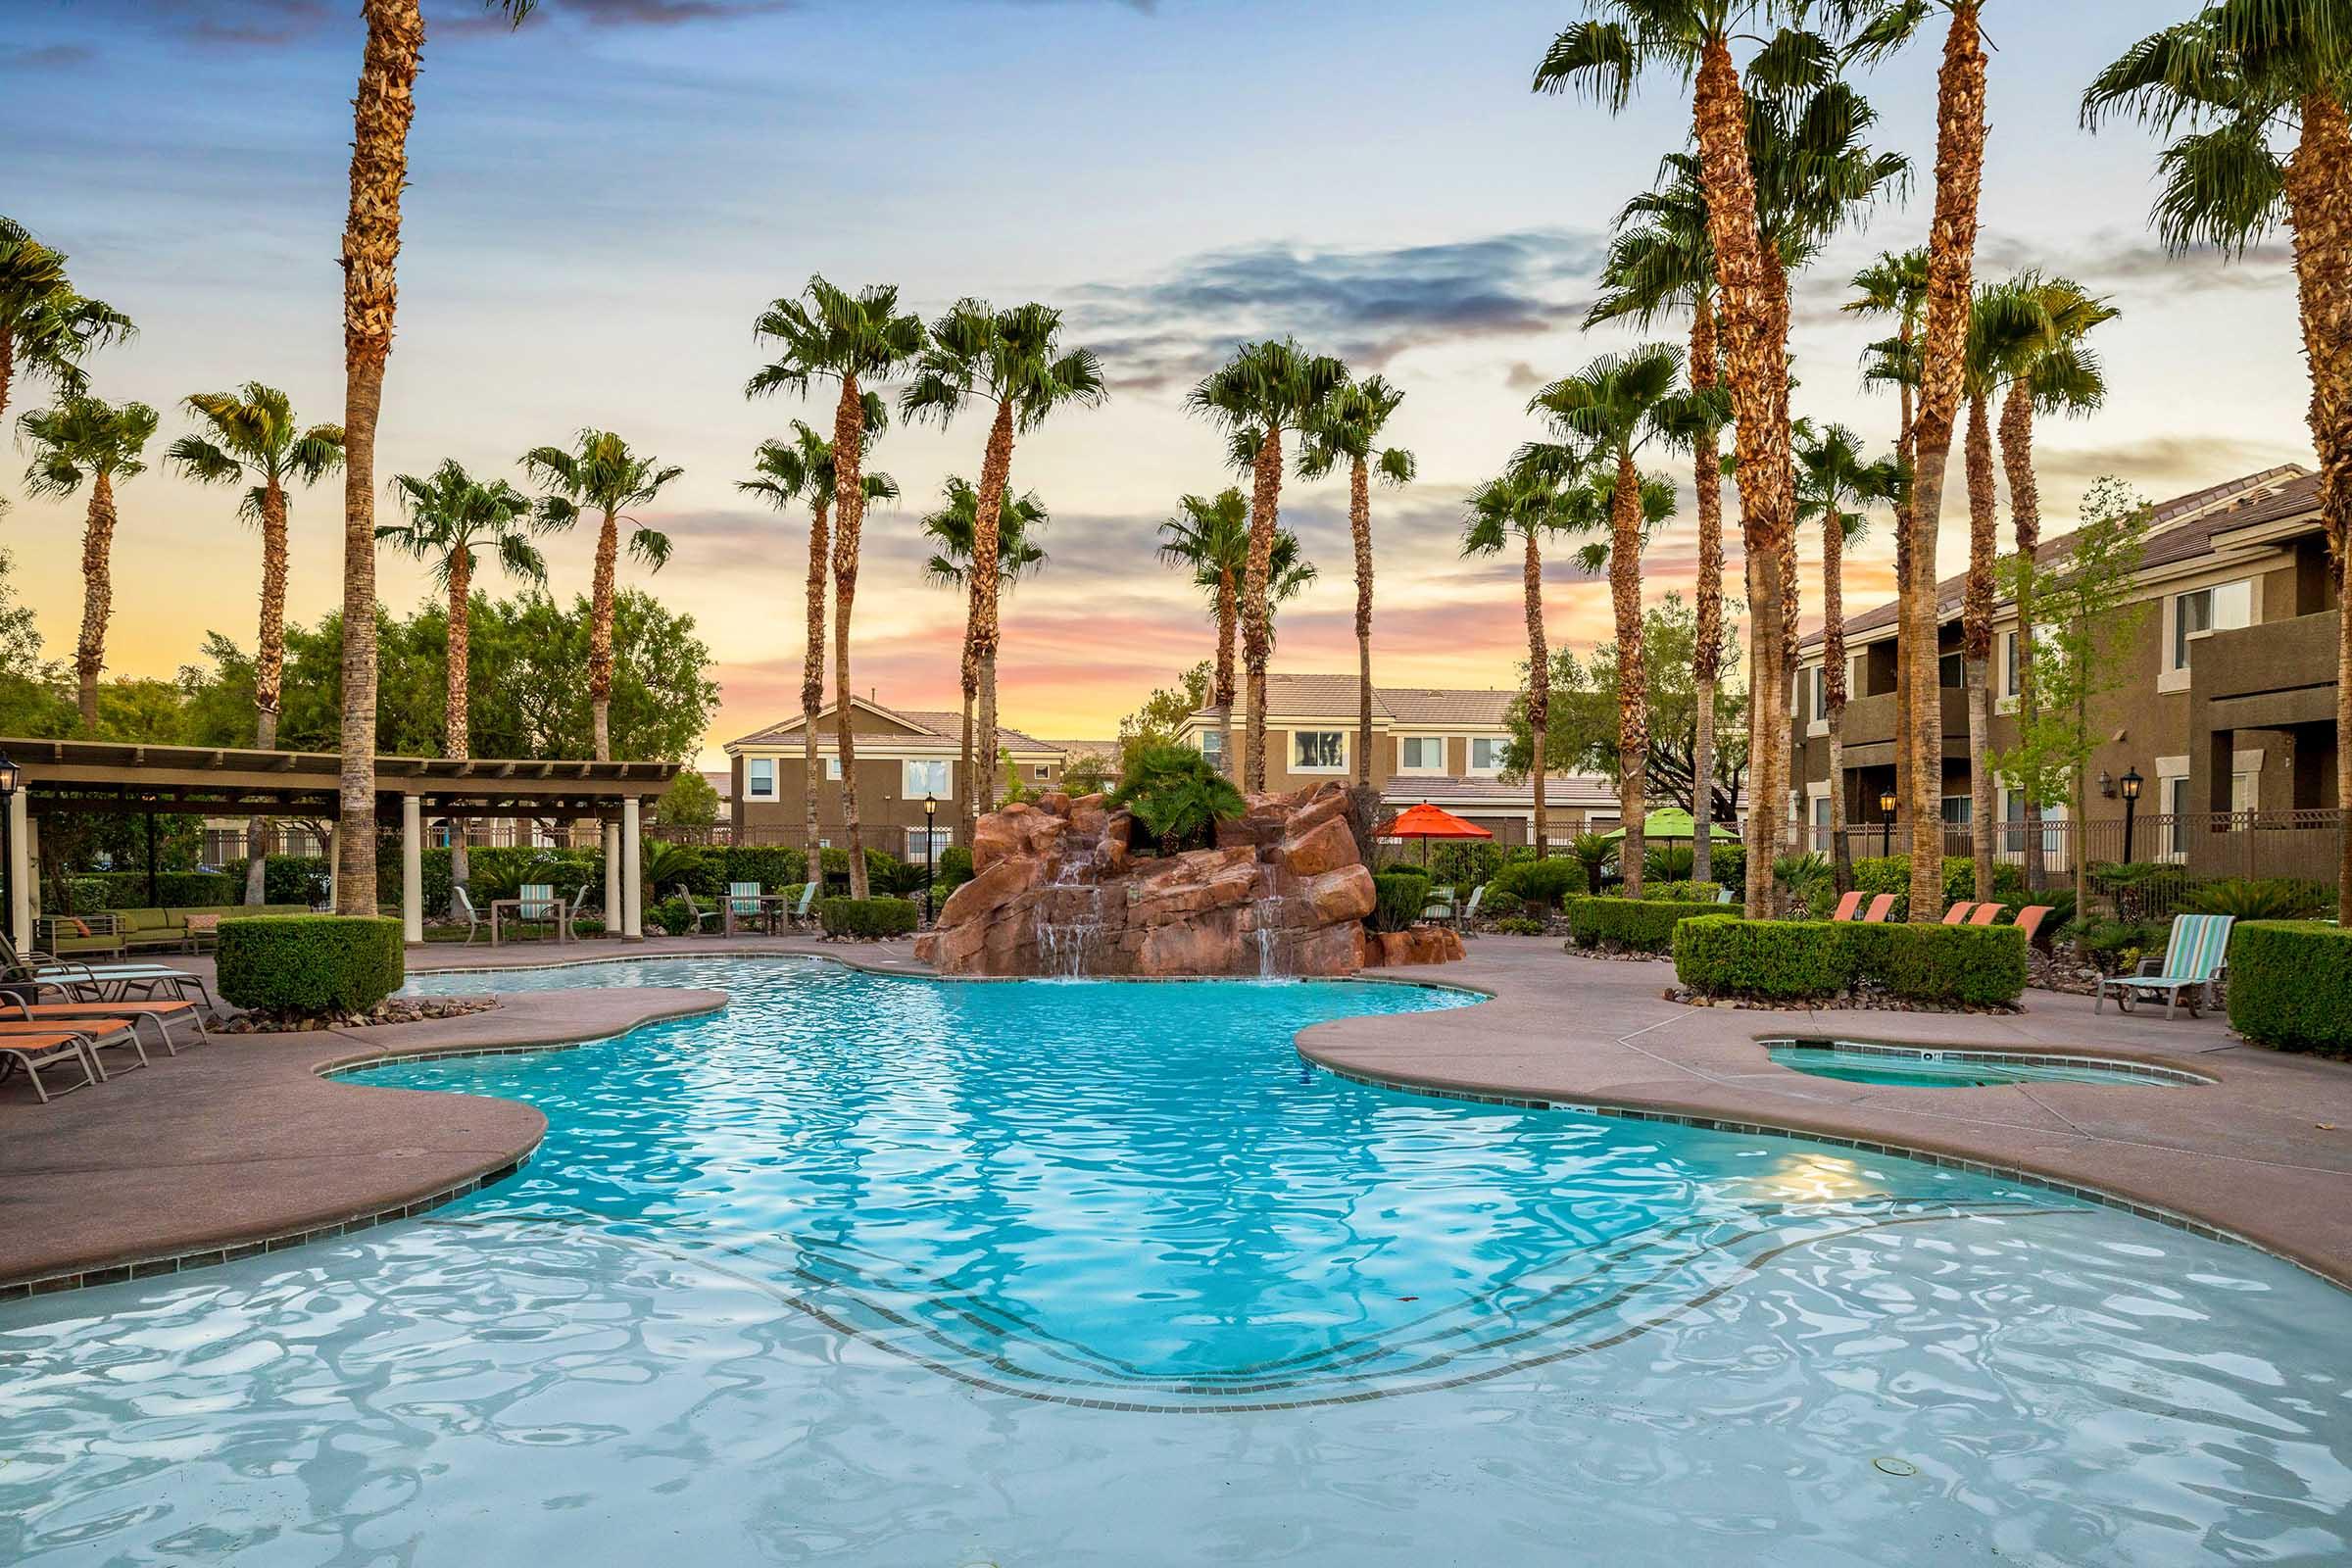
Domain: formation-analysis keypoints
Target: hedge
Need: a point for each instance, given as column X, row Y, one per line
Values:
column 1681, row 892
column 1645, row 924
column 1724, row 955
column 1402, row 897
column 1891, row 873
column 312, row 965
column 866, row 917
column 2290, row 985
column 92, row 891
column 1968, row 965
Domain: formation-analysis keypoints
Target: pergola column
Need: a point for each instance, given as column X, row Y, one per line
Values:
column 411, row 868
column 633, row 889
column 22, row 905
column 613, row 876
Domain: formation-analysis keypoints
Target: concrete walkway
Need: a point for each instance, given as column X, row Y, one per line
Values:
column 240, row 1145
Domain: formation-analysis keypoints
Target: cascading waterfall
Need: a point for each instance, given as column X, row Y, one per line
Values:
column 1069, row 918
column 1273, row 964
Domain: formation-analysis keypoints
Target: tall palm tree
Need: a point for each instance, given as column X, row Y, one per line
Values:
column 1532, row 499
column 1995, row 320
column 1265, row 389
column 1347, row 429
column 45, row 327
column 254, row 438
column 1895, row 285
column 450, row 516
column 1835, row 483
column 381, row 111
column 1210, row 537
column 1607, row 413
column 953, row 531
column 787, row 470
column 851, row 339
column 1013, row 362
column 84, row 439
column 599, row 474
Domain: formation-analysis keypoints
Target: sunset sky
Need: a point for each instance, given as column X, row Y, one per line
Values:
column 603, row 202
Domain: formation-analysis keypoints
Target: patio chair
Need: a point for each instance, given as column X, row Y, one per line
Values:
column 1958, row 914
column 1847, row 905
column 2029, row 918
column 699, row 914
column 460, row 908
column 1478, row 896
column 744, row 903
column 94, row 982
column 1880, row 908
column 163, row 1014
column 1723, row 895
column 801, row 912
column 579, row 901
column 33, row 1053
column 1987, row 913
column 1441, row 904
column 2193, row 961
column 539, row 904
column 97, row 1034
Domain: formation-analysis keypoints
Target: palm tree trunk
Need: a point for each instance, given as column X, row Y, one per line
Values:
column 1227, row 615
column 1951, row 261
column 2025, row 515
column 1633, row 678
column 382, row 111
column 1257, row 642
column 1706, row 656
column 1975, row 641
column 813, row 688
column 849, row 495
column 457, row 726
column 257, row 830
column 1906, row 447
column 97, row 596
column 995, row 469
column 600, row 633
column 1538, row 683
column 1359, row 525
column 969, row 669
column 1832, row 670
column 268, row 673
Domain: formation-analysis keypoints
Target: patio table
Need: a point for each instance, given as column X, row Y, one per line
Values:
column 772, row 907
column 500, row 908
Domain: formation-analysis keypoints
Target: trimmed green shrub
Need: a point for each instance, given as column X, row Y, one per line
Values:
column 770, row 867
column 1722, row 954
column 1542, row 883
column 1513, row 925
column 1402, row 896
column 93, row 891
column 954, row 870
column 1644, row 924
column 1726, row 955
column 1891, row 873
column 1500, row 905
column 1968, row 965
column 1681, row 892
column 313, row 966
column 866, row 917
column 672, row 916
column 1727, row 864
column 2290, row 985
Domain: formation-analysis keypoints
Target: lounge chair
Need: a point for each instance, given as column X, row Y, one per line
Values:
column 2029, row 918
column 1723, row 895
column 699, row 914
column 97, row 1034
column 1847, row 905
column 163, row 1014
column 744, row 903
column 801, row 912
column 1880, row 908
column 579, row 901
column 1478, row 896
column 35, row 1052
column 1441, row 904
column 88, row 982
column 1987, row 913
column 1958, row 914
column 460, row 908
column 2193, row 961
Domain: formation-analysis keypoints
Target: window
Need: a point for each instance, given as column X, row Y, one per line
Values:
column 833, row 767
column 938, row 839
column 2009, row 649
column 1821, row 824
column 1947, row 672
column 923, row 777
column 2224, row 607
column 759, row 778
column 1043, row 771
column 1959, row 810
column 1821, row 695
column 2013, row 837
column 1421, row 753
column 1212, row 746
column 1487, row 752
column 1318, row 751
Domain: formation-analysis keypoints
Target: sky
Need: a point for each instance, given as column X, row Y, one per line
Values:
column 602, row 201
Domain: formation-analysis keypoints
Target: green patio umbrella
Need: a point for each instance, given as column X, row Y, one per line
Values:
column 1674, row 823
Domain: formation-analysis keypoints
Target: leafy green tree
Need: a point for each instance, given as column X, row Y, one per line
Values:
column 36, row 697
column 1162, row 715
column 82, row 439
column 689, row 803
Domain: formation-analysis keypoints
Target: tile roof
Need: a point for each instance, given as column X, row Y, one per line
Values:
column 1316, row 696
column 1561, row 790
column 882, row 723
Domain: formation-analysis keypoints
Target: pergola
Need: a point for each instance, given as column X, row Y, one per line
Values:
column 62, row 777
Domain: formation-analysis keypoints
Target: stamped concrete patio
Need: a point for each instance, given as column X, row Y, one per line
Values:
column 240, row 1146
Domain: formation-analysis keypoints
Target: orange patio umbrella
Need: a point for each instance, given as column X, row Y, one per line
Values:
column 1425, row 822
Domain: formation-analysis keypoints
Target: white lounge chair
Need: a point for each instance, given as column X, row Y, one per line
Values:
column 2193, row 961
column 1441, row 904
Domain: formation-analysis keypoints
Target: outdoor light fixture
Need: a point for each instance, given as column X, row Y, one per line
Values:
column 1886, row 802
column 1886, row 822
column 2106, row 784
column 11, row 778
column 2132, row 783
column 930, row 815
column 11, row 775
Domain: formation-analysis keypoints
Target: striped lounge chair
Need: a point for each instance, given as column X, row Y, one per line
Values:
column 2193, row 961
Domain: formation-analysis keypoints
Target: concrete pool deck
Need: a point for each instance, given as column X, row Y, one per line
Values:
column 240, row 1146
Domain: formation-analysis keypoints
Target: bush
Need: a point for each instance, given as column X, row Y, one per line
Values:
column 1467, row 863
column 1721, row 955
column 1501, row 906
column 1402, row 896
column 771, row 868
column 2262, row 899
column 1727, row 864
column 93, row 891
column 954, row 868
column 1595, row 853
column 1891, row 873
column 2137, row 888
column 2116, row 945
column 866, row 917
column 1178, row 795
column 1542, row 883
column 672, row 916
column 312, row 965
column 1645, row 925
column 1966, row 965
column 1726, row 955
column 1516, row 926
column 2290, row 985
column 1668, row 863
column 1681, row 892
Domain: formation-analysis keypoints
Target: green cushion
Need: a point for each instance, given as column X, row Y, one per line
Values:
column 63, row 944
column 144, row 919
column 159, row 935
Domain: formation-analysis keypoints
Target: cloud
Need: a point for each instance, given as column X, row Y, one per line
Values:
column 51, row 57
column 2159, row 467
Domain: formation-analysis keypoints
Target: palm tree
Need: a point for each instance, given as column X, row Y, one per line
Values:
column 83, row 438
column 828, row 334
column 254, row 438
column 1347, row 429
column 954, row 530
column 1607, row 413
column 45, row 327
column 1210, row 537
column 382, row 110
column 601, row 474
column 1995, row 320
column 787, row 470
column 451, row 516
column 1530, row 500
column 1831, row 474
column 1896, row 285
column 1013, row 362
column 1265, row 389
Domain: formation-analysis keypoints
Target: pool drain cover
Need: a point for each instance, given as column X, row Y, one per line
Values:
column 1893, row 1466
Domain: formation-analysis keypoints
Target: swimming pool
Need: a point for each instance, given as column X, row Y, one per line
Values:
column 883, row 1272
column 1936, row 1067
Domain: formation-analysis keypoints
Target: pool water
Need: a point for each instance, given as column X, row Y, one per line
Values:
column 880, row 1271
column 1956, row 1069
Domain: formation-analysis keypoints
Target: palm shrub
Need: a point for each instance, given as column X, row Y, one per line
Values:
column 2290, row 985
column 1402, row 895
column 1178, row 796
column 1542, row 884
column 2261, row 898
column 1595, row 853
column 1667, row 862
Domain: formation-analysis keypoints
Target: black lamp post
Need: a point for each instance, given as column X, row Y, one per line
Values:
column 930, row 815
column 1885, row 823
column 10, row 777
column 2132, row 782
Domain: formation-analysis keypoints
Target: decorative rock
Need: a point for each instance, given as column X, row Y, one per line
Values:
column 1422, row 944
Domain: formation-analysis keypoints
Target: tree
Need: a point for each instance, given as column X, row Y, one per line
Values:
column 84, row 439
column 828, row 334
column 382, row 110
column 954, row 530
column 35, row 696
column 255, row 437
column 1831, row 472
column 1347, row 429
column 1615, row 408
column 1530, row 500
column 601, row 474
column 1210, row 536
column 1995, row 318
column 1162, row 715
column 804, row 466
column 1265, row 389
column 689, row 803
column 1012, row 361
column 2084, row 600
column 45, row 327
column 1896, row 285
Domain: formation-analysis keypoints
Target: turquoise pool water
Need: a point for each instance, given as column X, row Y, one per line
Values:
column 874, row 1271
column 1955, row 1069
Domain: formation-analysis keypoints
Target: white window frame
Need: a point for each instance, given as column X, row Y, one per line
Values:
column 1502, row 745
column 1403, row 741
column 2006, row 653
column 833, row 765
column 1340, row 766
column 910, row 790
column 1815, row 681
column 1212, row 744
column 941, row 839
column 751, row 780
column 2173, row 676
column 1043, row 770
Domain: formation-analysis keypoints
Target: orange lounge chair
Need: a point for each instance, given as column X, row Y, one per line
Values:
column 1957, row 913
column 35, row 1052
column 96, row 1035
column 163, row 1014
column 1987, row 913
column 1880, row 908
column 1846, row 906
column 2029, row 918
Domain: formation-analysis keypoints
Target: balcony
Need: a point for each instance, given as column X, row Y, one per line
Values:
column 2279, row 673
column 1870, row 722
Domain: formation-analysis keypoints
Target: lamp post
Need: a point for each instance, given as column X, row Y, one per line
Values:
column 930, row 815
column 2131, row 783
column 10, row 776
column 1885, row 823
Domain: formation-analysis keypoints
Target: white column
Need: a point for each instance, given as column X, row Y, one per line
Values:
column 613, row 871
column 411, row 868
column 632, row 886
column 22, row 905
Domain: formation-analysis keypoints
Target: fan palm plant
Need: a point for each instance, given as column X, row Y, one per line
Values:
column 1895, row 285
column 953, row 531
column 382, row 110
column 45, row 327
column 1265, row 390
column 599, row 474
column 1210, row 537
column 1013, row 362
column 1530, row 500
column 254, row 437
column 786, row 471
column 82, row 439
column 1347, row 429
column 851, row 339
column 1613, row 409
column 1997, row 320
